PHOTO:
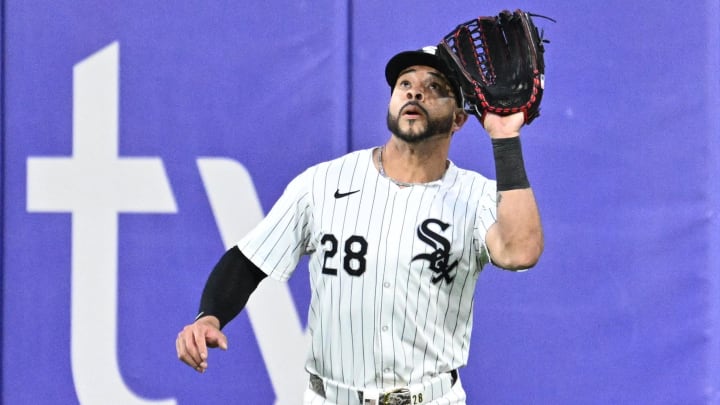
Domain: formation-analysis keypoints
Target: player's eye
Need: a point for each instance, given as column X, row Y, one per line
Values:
column 436, row 88
column 439, row 89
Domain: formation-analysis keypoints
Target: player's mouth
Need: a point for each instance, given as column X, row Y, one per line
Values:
column 412, row 111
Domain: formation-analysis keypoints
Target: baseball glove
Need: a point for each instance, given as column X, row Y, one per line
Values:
column 498, row 62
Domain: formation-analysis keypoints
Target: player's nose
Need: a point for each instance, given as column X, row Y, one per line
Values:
column 414, row 95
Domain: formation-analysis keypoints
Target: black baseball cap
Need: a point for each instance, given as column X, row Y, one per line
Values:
column 422, row 57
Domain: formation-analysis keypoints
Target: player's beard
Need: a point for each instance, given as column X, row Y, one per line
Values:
column 434, row 126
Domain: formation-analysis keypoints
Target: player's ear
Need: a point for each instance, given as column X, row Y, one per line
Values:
column 459, row 119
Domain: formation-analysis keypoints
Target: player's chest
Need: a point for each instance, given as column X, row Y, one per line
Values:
column 407, row 232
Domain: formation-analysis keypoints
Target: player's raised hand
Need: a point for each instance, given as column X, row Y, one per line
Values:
column 503, row 126
column 194, row 340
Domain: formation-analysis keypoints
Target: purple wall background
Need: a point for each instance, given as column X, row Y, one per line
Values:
column 624, row 306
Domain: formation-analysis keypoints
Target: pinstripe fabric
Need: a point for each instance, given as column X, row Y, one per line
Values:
column 392, row 270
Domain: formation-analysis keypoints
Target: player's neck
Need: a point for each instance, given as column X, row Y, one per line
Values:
column 410, row 163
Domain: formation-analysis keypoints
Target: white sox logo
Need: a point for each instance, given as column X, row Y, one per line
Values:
column 441, row 256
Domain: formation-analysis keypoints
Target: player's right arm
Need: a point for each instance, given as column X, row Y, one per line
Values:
column 235, row 276
column 226, row 292
column 193, row 341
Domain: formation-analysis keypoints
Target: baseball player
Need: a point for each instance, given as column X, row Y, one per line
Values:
column 397, row 236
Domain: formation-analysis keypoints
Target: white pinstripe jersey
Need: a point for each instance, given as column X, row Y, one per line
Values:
column 392, row 270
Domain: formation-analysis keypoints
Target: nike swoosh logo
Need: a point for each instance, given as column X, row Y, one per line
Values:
column 338, row 194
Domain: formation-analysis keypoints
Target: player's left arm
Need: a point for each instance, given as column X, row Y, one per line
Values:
column 515, row 241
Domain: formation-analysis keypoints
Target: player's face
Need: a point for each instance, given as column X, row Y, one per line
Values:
column 421, row 106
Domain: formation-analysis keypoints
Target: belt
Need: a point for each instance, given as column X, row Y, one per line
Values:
column 416, row 393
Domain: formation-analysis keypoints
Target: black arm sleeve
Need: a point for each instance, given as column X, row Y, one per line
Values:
column 229, row 286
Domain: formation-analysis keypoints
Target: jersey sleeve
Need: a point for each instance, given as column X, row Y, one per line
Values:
column 485, row 217
column 278, row 242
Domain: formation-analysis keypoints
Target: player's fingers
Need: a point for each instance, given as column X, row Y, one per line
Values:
column 188, row 350
column 183, row 351
column 200, row 336
column 216, row 338
column 222, row 342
